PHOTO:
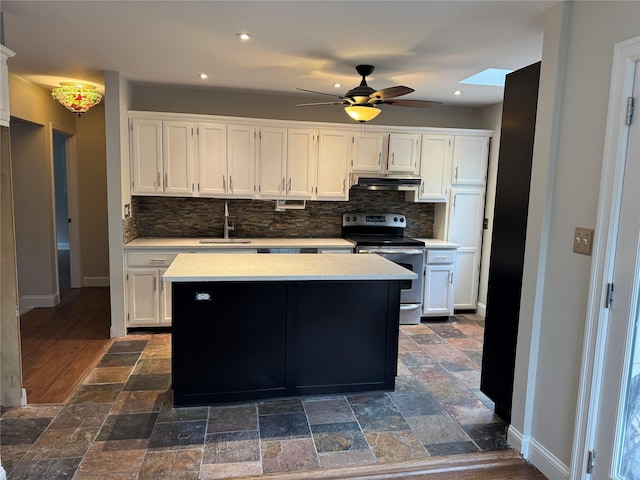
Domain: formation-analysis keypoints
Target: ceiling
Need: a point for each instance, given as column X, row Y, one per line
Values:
column 426, row 45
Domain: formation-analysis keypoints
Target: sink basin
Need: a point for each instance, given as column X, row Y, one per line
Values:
column 223, row 240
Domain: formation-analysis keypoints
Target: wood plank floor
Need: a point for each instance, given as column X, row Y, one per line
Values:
column 60, row 345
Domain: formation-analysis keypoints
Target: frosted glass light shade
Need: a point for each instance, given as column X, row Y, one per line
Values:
column 76, row 97
column 362, row 113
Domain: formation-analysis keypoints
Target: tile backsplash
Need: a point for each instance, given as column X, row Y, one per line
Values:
column 204, row 217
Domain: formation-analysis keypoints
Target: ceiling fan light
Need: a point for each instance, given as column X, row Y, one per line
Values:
column 362, row 113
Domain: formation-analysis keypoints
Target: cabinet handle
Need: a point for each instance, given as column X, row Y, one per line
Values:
column 379, row 158
column 166, row 180
column 289, row 185
column 157, row 260
column 450, row 278
column 344, row 185
column 393, row 158
column 454, row 200
column 224, row 184
column 456, row 174
column 157, row 184
column 154, row 284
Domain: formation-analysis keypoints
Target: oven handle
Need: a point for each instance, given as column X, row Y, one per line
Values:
column 382, row 250
column 409, row 306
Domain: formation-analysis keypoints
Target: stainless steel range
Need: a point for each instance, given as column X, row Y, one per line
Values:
column 383, row 234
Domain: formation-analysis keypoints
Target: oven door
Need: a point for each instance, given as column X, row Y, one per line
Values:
column 411, row 258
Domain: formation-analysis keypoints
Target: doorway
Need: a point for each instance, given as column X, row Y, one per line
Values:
column 608, row 435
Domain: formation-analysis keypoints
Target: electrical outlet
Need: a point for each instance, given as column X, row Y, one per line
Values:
column 582, row 240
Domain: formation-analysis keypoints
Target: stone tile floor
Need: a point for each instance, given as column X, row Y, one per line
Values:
column 121, row 424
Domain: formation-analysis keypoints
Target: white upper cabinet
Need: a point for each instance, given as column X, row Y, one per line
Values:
column 302, row 156
column 272, row 167
column 470, row 156
column 177, row 158
column 366, row 151
column 146, row 156
column 212, row 159
column 241, row 155
column 404, row 151
column 435, row 167
column 333, row 153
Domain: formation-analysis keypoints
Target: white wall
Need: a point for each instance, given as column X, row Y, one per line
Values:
column 493, row 115
column 570, row 129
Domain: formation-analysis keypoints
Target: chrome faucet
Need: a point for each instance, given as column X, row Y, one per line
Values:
column 227, row 228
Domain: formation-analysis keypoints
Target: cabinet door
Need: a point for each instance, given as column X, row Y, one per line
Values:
column 142, row 289
column 333, row 152
column 273, row 161
column 212, row 158
column 470, row 157
column 302, row 151
column 177, row 157
column 146, row 156
column 241, row 155
column 438, row 290
column 465, row 228
column 435, row 167
column 366, row 152
column 164, row 317
column 403, row 152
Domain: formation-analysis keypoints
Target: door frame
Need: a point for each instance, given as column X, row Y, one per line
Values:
column 626, row 54
column 73, row 205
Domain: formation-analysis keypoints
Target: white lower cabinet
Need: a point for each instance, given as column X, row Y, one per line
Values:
column 148, row 297
column 438, row 282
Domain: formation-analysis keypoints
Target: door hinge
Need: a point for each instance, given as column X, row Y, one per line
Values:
column 17, row 311
column 609, row 297
column 629, row 115
column 591, row 461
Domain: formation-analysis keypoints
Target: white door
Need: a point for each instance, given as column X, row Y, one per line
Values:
column 617, row 438
column 465, row 228
column 438, row 294
column 143, row 296
column 333, row 153
column 470, row 157
column 273, row 161
column 212, row 158
column 241, row 155
column 404, row 149
column 366, row 151
column 146, row 156
column 435, row 167
column 301, row 162
column 176, row 149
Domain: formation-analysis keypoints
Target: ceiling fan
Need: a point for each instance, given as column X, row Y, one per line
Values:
column 361, row 102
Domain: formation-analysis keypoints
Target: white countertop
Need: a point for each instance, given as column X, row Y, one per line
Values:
column 178, row 242
column 213, row 267
column 433, row 243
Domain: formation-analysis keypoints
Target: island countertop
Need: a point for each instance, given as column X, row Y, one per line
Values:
column 212, row 267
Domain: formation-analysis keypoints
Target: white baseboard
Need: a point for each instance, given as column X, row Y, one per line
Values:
column 538, row 455
column 28, row 302
column 482, row 309
column 96, row 281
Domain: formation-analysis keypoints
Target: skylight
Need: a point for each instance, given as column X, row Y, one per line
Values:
column 491, row 76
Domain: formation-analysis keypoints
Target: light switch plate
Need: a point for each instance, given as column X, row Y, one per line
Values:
column 583, row 240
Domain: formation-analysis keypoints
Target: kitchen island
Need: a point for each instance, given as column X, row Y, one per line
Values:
column 262, row 326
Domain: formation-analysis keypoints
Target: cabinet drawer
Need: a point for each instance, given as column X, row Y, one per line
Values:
column 440, row 256
column 150, row 259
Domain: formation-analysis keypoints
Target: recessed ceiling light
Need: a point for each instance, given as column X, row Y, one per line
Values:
column 243, row 36
column 491, row 76
column 337, row 85
column 203, row 76
column 458, row 92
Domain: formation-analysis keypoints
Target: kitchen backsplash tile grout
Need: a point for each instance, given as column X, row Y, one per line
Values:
column 155, row 217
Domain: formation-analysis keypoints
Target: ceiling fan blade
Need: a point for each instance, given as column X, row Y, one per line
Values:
column 319, row 93
column 318, row 103
column 411, row 103
column 391, row 92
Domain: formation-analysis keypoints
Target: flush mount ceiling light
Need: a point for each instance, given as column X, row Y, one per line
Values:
column 243, row 36
column 203, row 76
column 77, row 97
column 362, row 113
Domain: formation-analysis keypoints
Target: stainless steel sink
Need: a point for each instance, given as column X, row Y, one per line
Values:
column 223, row 240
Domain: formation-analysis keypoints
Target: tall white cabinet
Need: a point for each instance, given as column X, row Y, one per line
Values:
column 461, row 219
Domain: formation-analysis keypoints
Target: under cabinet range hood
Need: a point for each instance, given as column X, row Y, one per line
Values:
column 405, row 183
